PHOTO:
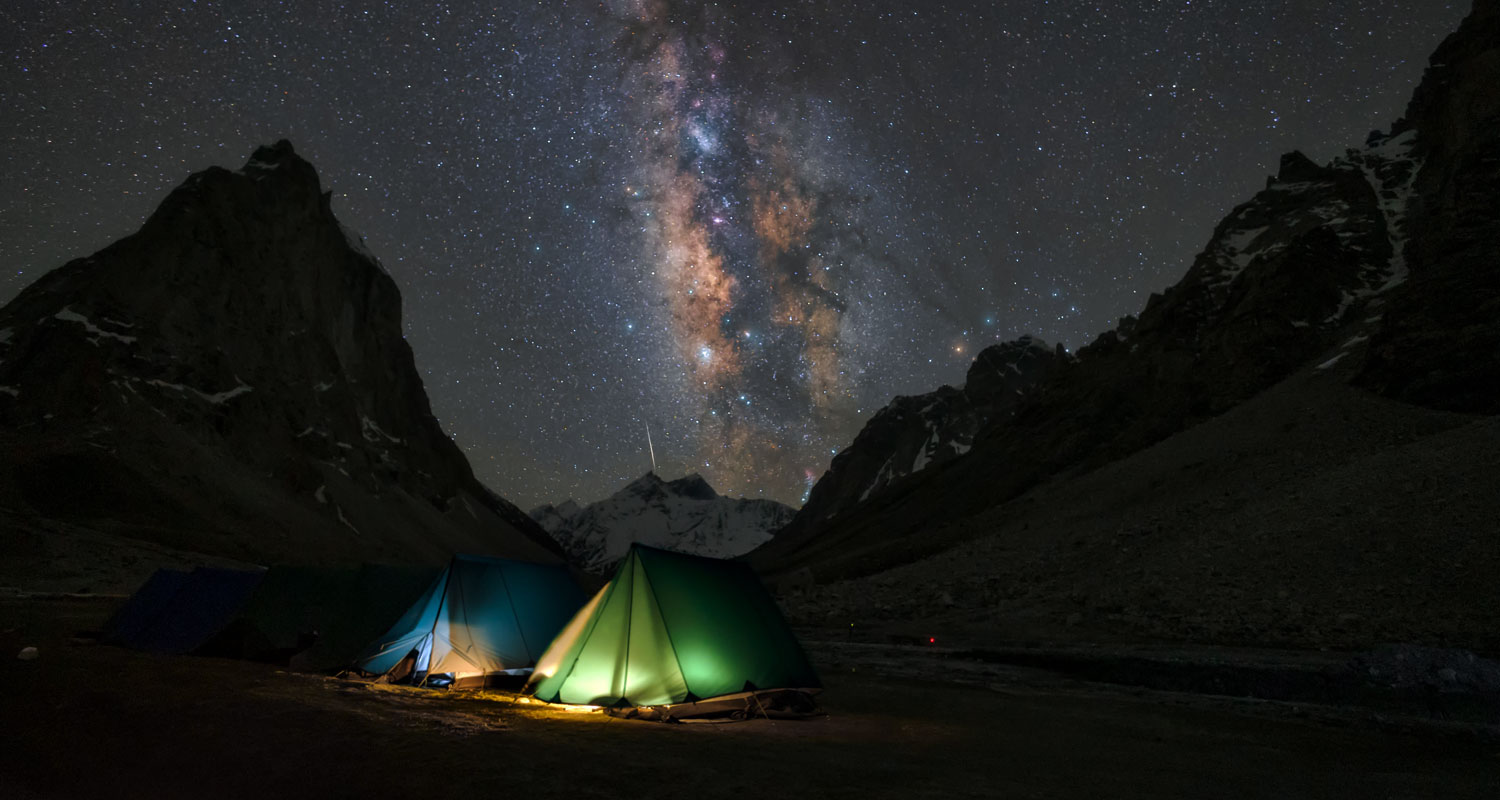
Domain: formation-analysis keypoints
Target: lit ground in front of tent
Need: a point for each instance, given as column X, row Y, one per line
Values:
column 86, row 720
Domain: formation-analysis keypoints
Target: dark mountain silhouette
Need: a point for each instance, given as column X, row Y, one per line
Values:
column 232, row 379
column 1375, row 270
column 916, row 433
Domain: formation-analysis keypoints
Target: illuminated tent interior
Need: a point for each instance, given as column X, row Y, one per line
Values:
column 671, row 628
column 481, row 619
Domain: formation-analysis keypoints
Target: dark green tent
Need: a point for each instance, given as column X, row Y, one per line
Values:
column 480, row 619
column 672, row 628
column 319, row 618
column 380, row 594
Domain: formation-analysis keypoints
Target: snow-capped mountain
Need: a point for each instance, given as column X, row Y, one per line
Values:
column 685, row 515
column 1349, row 217
column 233, row 379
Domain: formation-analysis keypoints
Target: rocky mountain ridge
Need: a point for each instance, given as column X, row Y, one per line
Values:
column 1377, row 266
column 232, row 379
column 917, row 432
column 685, row 515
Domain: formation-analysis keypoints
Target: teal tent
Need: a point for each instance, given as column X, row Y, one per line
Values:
column 671, row 628
column 480, row 619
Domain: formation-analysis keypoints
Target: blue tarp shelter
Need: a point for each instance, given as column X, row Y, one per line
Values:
column 178, row 612
column 143, row 607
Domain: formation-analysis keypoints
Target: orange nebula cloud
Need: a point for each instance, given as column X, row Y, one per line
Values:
column 699, row 290
column 783, row 218
column 745, row 457
column 679, row 183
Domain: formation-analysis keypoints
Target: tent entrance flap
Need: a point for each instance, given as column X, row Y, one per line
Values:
column 479, row 618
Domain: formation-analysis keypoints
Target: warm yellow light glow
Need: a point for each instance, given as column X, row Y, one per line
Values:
column 569, row 707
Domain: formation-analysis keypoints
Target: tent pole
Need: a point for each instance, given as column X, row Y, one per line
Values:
column 635, row 563
column 432, row 632
column 756, row 697
column 515, row 614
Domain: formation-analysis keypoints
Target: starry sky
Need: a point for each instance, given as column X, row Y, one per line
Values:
column 744, row 226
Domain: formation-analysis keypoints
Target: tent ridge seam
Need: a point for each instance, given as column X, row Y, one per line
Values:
column 516, row 615
column 667, row 629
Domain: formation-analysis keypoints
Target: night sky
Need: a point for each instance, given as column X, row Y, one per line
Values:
column 747, row 225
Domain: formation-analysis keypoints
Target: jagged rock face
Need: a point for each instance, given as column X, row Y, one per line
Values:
column 915, row 433
column 1384, row 258
column 685, row 515
column 1301, row 267
column 1440, row 342
column 1280, row 278
column 237, row 367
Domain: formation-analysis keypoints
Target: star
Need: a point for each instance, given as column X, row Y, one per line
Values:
column 607, row 216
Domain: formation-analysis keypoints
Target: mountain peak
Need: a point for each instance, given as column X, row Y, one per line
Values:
column 685, row 515
column 236, row 370
column 647, row 483
column 1009, row 366
column 1296, row 166
column 276, row 154
column 693, row 486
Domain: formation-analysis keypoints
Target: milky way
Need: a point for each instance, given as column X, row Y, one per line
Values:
column 746, row 227
column 744, row 253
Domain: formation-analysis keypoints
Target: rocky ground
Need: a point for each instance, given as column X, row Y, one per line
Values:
column 1311, row 517
column 90, row 721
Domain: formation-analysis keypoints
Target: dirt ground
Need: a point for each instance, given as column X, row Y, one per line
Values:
column 84, row 720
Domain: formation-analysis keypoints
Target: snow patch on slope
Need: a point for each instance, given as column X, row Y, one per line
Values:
column 1382, row 167
column 217, row 398
column 344, row 519
column 1234, row 252
column 67, row 314
column 1330, row 362
column 886, row 474
column 260, row 166
column 373, row 433
column 1391, row 169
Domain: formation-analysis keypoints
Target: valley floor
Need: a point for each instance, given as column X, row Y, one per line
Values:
column 89, row 721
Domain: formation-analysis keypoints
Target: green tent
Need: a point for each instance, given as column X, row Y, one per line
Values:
column 672, row 628
column 480, row 619
column 319, row 618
